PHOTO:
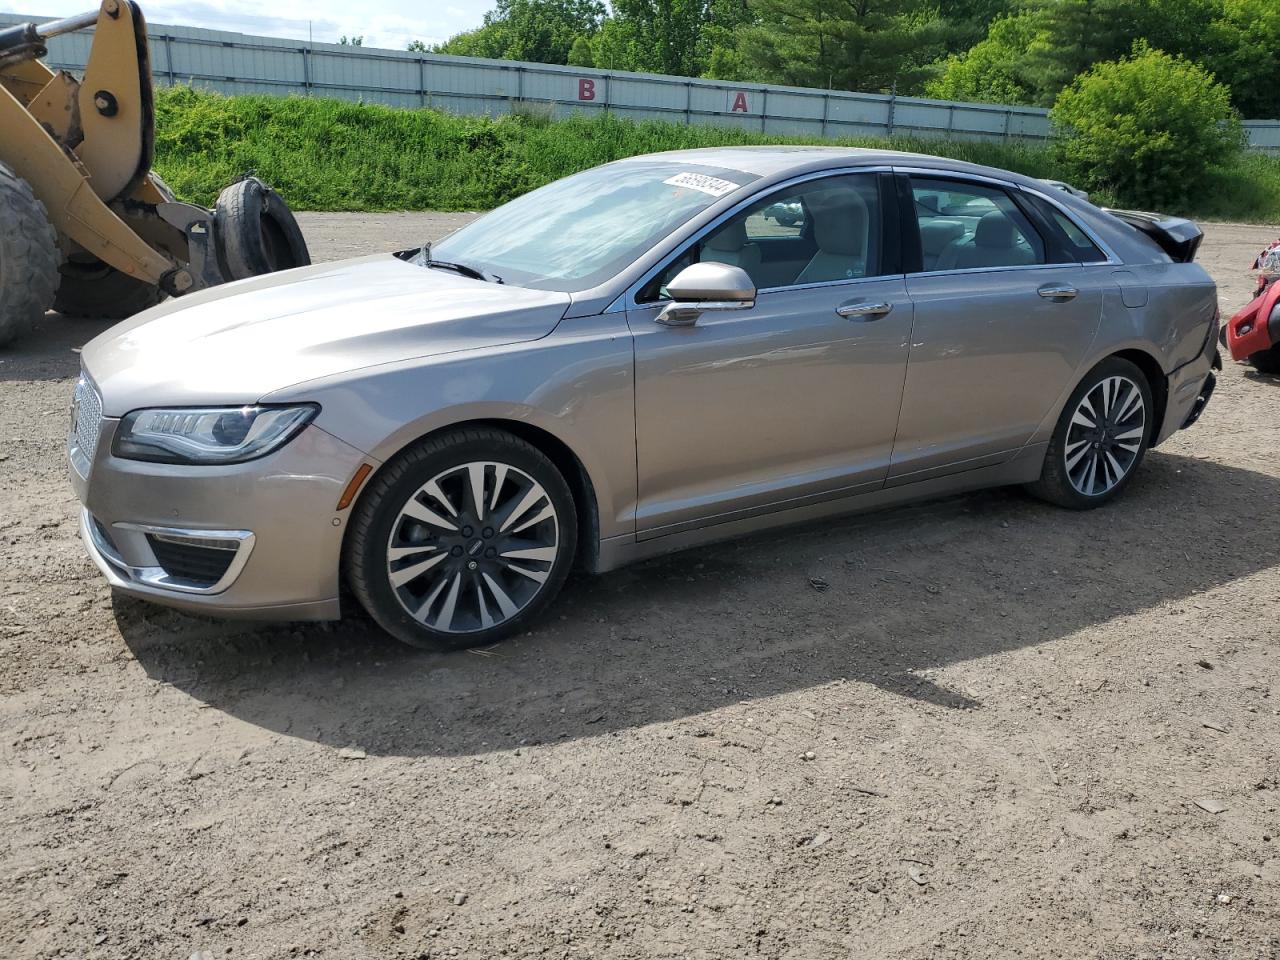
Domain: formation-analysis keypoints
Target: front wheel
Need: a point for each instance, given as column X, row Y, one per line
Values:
column 1267, row 361
column 462, row 540
column 1101, row 438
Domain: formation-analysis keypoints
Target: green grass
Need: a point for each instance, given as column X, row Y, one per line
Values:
column 334, row 155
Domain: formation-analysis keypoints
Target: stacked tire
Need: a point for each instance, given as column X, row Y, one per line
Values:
column 256, row 232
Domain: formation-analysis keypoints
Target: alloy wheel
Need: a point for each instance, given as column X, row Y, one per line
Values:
column 1105, row 436
column 472, row 547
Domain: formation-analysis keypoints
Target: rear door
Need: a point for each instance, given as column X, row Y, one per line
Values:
column 1003, row 318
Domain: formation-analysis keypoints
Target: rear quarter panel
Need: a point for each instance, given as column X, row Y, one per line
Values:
column 1174, row 304
column 1176, row 314
column 1182, row 301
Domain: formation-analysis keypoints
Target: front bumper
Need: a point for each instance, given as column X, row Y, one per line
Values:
column 1256, row 328
column 261, row 539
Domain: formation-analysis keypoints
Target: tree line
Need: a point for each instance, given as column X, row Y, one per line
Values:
column 999, row 51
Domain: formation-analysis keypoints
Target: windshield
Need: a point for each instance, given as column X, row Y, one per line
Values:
column 578, row 232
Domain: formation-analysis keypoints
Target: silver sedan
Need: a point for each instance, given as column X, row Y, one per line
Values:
column 635, row 359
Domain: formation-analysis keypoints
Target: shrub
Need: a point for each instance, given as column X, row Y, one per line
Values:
column 332, row 155
column 1148, row 128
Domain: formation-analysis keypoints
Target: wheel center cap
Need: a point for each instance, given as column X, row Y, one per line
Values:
column 474, row 547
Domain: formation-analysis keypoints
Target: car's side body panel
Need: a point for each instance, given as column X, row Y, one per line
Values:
column 1024, row 467
column 575, row 384
column 786, row 399
column 1182, row 301
column 989, row 358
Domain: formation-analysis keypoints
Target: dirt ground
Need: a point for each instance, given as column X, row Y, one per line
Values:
column 986, row 737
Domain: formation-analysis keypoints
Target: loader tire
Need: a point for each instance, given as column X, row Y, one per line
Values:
column 29, row 257
column 256, row 231
column 94, row 289
column 91, row 288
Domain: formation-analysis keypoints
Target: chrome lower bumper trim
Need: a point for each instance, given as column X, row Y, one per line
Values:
column 152, row 574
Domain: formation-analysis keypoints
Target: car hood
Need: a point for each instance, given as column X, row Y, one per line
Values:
column 238, row 342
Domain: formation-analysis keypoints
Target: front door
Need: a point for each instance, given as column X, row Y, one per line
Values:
column 793, row 400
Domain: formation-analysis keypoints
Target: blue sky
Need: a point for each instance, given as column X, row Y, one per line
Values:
column 384, row 23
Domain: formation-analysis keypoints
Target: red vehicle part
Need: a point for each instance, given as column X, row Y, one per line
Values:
column 1263, row 278
column 1256, row 328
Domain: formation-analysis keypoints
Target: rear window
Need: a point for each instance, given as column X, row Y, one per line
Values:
column 1078, row 243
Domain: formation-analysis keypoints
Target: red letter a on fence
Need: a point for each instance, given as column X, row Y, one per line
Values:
column 739, row 103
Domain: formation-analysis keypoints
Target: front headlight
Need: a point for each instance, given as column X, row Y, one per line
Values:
column 206, row 435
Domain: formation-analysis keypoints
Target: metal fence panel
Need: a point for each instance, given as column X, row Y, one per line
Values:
column 241, row 63
column 1264, row 135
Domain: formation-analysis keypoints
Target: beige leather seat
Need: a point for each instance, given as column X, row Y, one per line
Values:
column 730, row 245
column 840, row 225
column 935, row 236
column 994, row 244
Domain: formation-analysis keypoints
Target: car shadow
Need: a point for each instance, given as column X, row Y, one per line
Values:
column 883, row 599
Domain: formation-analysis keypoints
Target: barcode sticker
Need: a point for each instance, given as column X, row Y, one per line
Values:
column 700, row 181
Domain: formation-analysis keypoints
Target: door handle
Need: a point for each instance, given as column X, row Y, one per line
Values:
column 1057, row 291
column 857, row 310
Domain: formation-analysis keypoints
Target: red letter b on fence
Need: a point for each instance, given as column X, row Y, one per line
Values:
column 586, row 89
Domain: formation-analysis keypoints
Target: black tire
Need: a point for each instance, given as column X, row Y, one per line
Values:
column 1056, row 483
column 256, row 232
column 91, row 288
column 29, row 257
column 377, row 518
column 1266, row 361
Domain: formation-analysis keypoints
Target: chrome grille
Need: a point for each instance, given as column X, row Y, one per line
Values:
column 86, row 407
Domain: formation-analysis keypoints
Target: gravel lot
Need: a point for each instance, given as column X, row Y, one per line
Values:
column 986, row 738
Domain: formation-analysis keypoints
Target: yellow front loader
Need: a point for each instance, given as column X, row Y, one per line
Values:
column 86, row 228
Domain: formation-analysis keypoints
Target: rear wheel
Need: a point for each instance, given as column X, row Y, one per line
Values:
column 29, row 257
column 1101, row 438
column 462, row 540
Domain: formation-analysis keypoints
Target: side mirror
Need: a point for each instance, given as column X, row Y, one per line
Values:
column 700, row 287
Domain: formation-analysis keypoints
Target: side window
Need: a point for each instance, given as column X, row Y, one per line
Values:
column 815, row 232
column 1086, row 250
column 964, row 226
column 783, row 218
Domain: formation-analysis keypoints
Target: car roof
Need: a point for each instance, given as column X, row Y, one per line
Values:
column 775, row 161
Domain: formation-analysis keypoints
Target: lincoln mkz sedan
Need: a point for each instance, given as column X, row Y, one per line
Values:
column 653, row 354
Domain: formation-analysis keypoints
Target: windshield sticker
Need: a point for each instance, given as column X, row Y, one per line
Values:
column 700, row 181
